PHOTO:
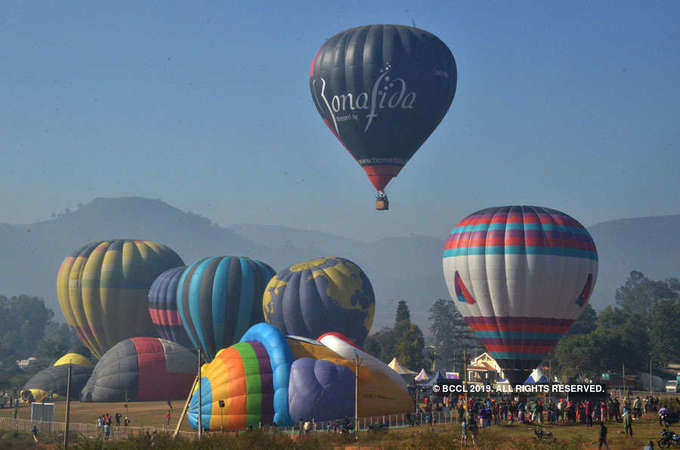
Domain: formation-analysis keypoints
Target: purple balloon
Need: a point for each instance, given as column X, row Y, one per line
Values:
column 320, row 390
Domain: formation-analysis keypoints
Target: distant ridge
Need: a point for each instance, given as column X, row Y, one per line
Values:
column 406, row 267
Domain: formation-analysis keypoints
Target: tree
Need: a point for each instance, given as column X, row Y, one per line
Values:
column 382, row 344
column 451, row 335
column 405, row 340
column 664, row 332
column 639, row 293
column 586, row 322
column 411, row 346
column 22, row 325
column 403, row 313
column 58, row 339
column 619, row 338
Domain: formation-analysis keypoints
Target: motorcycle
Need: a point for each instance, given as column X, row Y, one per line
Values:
column 668, row 439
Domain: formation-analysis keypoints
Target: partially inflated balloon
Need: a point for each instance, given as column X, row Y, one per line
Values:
column 520, row 276
column 268, row 378
column 142, row 369
column 102, row 289
column 321, row 390
column 246, row 384
column 381, row 390
column 219, row 298
column 53, row 380
column 73, row 358
column 382, row 90
column 318, row 296
column 163, row 307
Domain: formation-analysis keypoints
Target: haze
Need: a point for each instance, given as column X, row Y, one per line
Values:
column 207, row 106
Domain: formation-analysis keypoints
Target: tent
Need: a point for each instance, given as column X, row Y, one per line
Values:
column 394, row 365
column 438, row 378
column 536, row 377
column 422, row 376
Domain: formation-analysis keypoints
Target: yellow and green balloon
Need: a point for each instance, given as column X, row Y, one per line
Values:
column 103, row 286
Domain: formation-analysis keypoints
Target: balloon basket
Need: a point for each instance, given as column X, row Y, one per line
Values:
column 382, row 204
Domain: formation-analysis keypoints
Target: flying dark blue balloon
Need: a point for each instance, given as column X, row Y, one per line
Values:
column 382, row 90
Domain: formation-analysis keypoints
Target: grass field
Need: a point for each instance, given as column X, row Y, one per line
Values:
column 141, row 414
column 438, row 436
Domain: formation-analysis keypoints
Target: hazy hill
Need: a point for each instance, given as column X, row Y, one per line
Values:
column 648, row 244
column 406, row 267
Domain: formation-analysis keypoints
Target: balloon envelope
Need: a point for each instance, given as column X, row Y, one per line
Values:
column 163, row 307
column 245, row 384
column 318, row 296
column 142, row 369
column 382, row 90
column 53, row 380
column 520, row 276
column 321, row 390
column 219, row 298
column 102, row 289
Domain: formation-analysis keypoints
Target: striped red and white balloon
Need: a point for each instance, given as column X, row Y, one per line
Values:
column 520, row 276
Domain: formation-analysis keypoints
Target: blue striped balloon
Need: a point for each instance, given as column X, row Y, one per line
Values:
column 219, row 298
column 163, row 307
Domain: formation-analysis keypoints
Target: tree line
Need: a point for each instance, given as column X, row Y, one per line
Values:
column 642, row 326
column 28, row 328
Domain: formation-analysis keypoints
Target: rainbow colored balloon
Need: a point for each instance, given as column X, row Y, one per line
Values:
column 271, row 379
column 520, row 276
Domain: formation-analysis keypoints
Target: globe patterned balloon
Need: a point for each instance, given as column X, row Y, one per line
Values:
column 319, row 296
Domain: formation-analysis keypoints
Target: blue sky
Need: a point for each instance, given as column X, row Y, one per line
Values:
column 206, row 105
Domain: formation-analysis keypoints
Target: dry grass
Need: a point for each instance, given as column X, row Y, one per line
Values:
column 518, row 437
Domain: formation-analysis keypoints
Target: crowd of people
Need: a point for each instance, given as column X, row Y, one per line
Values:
column 104, row 423
column 476, row 413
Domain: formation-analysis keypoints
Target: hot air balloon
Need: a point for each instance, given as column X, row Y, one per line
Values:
column 268, row 378
column 381, row 390
column 219, row 298
column 245, row 384
column 163, row 307
column 142, row 369
column 321, row 390
column 53, row 380
column 520, row 276
column 319, row 296
column 102, row 289
column 382, row 90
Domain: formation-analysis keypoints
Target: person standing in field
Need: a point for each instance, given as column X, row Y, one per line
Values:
column 627, row 422
column 603, row 437
column 168, row 416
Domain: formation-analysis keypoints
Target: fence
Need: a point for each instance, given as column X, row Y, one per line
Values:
column 122, row 432
column 392, row 421
column 85, row 429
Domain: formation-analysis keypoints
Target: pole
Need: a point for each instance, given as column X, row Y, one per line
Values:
column 651, row 390
column 357, row 361
column 200, row 400
column 186, row 407
column 465, row 376
column 68, row 405
column 623, row 372
column 550, row 377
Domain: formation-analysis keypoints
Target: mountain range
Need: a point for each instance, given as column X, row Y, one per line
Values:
column 406, row 267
